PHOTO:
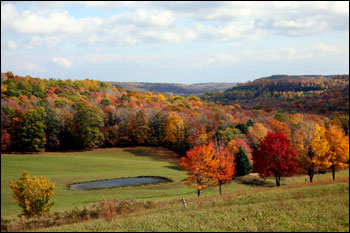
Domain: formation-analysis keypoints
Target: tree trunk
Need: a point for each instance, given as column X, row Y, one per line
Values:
column 198, row 192
column 220, row 187
column 333, row 172
column 278, row 179
column 311, row 168
column 311, row 173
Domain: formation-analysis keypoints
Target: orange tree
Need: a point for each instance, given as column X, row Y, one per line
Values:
column 338, row 154
column 275, row 157
column 312, row 147
column 224, row 168
column 199, row 163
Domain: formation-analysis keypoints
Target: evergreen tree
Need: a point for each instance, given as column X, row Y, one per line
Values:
column 243, row 166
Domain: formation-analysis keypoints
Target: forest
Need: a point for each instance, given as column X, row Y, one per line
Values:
column 65, row 115
column 173, row 88
column 311, row 94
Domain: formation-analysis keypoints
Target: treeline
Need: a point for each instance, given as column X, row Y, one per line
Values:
column 173, row 88
column 62, row 115
column 313, row 94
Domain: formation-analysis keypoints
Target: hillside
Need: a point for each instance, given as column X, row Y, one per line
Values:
column 304, row 93
column 173, row 88
column 278, row 210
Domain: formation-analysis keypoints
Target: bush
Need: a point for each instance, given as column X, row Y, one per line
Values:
column 33, row 195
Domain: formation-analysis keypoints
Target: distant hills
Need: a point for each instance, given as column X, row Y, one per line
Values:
column 173, row 88
column 305, row 93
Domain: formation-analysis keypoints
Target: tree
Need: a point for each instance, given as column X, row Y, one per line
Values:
column 278, row 126
column 275, row 157
column 243, row 165
column 174, row 131
column 88, row 124
column 257, row 133
column 143, row 130
column 224, row 165
column 338, row 154
column 5, row 140
column 33, row 195
column 200, row 164
column 243, row 128
column 31, row 131
column 52, row 130
column 312, row 146
column 156, row 125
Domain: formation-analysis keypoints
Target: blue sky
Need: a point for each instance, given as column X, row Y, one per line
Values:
column 181, row 42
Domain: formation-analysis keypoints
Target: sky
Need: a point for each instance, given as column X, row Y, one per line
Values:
column 174, row 42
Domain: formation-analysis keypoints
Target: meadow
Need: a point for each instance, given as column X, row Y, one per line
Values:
column 73, row 167
column 319, row 208
column 295, row 206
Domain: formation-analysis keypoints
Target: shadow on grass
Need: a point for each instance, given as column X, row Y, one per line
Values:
column 254, row 181
column 158, row 154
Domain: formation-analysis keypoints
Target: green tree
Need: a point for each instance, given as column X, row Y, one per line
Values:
column 143, row 130
column 32, row 130
column 243, row 166
column 88, row 124
column 243, row 128
column 52, row 130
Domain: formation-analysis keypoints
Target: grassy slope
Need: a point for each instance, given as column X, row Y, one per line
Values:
column 323, row 207
column 309, row 208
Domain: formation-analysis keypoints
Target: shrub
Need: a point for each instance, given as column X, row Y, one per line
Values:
column 33, row 195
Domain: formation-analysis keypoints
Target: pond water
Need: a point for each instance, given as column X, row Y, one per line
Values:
column 120, row 182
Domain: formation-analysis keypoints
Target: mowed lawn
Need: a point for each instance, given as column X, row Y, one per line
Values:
column 72, row 167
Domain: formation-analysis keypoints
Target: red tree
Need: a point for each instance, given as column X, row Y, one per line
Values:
column 275, row 157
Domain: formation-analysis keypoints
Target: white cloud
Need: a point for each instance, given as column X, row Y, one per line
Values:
column 171, row 22
column 61, row 61
column 11, row 45
column 145, row 18
column 102, row 58
column 8, row 14
column 327, row 49
column 32, row 67
column 46, row 23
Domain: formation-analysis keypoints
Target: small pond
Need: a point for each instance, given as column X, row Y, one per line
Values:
column 120, row 182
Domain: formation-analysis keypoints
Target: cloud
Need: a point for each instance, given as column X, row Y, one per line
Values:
column 170, row 22
column 102, row 58
column 32, row 67
column 61, row 61
column 11, row 45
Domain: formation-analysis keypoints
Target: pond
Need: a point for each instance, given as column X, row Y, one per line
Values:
column 120, row 182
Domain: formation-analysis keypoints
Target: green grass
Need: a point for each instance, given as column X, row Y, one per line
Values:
column 72, row 167
column 308, row 208
column 288, row 208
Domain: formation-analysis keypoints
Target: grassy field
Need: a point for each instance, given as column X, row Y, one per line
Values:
column 72, row 167
column 295, row 206
column 309, row 208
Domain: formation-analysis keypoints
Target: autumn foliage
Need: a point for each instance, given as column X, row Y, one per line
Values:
column 338, row 154
column 224, row 168
column 275, row 157
column 64, row 115
column 200, row 164
column 208, row 165
column 33, row 195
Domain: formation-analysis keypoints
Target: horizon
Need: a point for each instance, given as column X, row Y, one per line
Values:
column 174, row 42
